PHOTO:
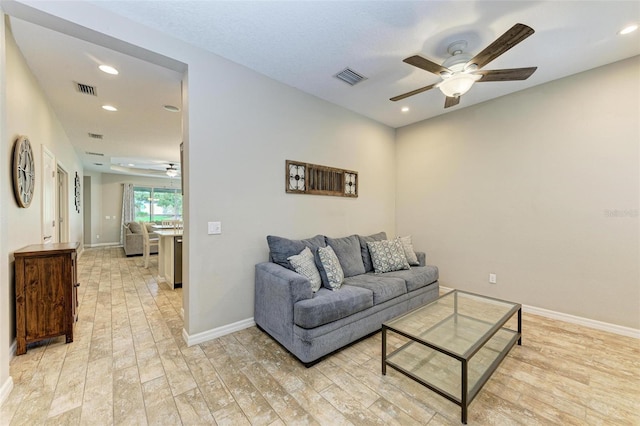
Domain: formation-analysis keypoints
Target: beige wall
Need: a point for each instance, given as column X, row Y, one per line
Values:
column 106, row 200
column 539, row 187
column 26, row 111
column 240, row 127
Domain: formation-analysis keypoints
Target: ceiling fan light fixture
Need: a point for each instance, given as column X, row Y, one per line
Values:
column 172, row 171
column 457, row 84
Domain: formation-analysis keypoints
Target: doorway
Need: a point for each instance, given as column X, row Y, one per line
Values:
column 62, row 205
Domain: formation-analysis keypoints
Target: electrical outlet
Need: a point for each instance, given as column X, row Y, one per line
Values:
column 492, row 278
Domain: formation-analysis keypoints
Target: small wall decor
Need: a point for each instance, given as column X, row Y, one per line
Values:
column 305, row 178
column 77, row 187
column 24, row 172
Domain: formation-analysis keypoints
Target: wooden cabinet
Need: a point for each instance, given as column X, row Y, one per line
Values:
column 46, row 292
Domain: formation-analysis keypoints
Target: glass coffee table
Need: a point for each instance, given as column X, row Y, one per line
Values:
column 453, row 344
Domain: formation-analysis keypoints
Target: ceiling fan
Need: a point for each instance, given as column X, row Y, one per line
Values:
column 172, row 171
column 461, row 71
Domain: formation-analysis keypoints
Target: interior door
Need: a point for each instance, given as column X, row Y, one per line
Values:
column 62, row 203
column 49, row 190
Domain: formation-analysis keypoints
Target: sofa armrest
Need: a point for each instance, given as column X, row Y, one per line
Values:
column 277, row 289
column 422, row 258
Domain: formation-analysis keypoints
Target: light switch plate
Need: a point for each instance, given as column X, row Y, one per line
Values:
column 214, row 228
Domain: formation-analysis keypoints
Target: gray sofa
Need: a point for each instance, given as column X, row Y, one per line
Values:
column 133, row 238
column 311, row 325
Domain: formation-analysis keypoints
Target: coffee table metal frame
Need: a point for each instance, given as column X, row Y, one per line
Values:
column 467, row 395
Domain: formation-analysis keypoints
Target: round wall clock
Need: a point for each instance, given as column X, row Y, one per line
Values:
column 24, row 176
column 77, row 187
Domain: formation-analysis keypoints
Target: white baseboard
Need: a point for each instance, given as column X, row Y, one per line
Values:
column 5, row 390
column 598, row 325
column 103, row 245
column 216, row 332
column 572, row 319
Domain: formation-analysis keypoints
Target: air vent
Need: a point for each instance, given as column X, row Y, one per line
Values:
column 99, row 154
column 86, row 89
column 350, row 77
column 98, row 164
column 95, row 135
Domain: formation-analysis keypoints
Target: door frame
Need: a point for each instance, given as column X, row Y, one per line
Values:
column 62, row 204
column 49, row 190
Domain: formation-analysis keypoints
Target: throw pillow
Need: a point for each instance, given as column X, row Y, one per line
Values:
column 280, row 249
column 331, row 267
column 135, row 228
column 364, row 249
column 387, row 256
column 347, row 250
column 305, row 264
column 407, row 245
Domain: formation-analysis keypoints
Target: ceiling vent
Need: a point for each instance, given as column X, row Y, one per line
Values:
column 86, row 89
column 350, row 77
column 95, row 136
column 99, row 154
column 98, row 164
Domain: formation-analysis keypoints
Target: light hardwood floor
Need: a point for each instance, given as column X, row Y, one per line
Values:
column 129, row 365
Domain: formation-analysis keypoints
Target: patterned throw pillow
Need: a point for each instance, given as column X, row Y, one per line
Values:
column 408, row 250
column 387, row 256
column 304, row 264
column 331, row 266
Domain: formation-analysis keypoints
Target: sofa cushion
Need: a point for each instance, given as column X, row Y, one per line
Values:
column 347, row 250
column 416, row 277
column 383, row 287
column 410, row 254
column 364, row 249
column 282, row 248
column 305, row 264
column 327, row 306
column 134, row 227
column 387, row 256
column 330, row 269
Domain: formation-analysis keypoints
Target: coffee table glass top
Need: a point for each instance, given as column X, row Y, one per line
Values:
column 456, row 325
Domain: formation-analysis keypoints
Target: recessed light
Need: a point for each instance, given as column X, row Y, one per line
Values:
column 109, row 108
column 628, row 30
column 108, row 69
column 131, row 165
column 171, row 108
column 405, row 109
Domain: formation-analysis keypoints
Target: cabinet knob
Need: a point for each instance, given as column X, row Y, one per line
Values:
column 76, row 285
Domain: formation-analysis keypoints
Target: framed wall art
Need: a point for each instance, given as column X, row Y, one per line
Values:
column 306, row 178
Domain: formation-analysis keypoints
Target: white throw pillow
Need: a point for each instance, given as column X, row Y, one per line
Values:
column 410, row 254
column 305, row 265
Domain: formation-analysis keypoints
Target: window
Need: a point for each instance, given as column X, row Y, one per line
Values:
column 157, row 204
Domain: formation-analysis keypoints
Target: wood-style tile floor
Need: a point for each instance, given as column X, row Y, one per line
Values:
column 129, row 365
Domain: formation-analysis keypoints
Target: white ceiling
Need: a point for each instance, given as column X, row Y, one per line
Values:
column 305, row 43
column 141, row 132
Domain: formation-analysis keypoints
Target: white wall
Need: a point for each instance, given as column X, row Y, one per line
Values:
column 26, row 111
column 240, row 127
column 106, row 200
column 525, row 186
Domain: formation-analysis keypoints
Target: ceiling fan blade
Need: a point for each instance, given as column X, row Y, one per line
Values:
column 507, row 74
column 425, row 64
column 451, row 101
column 506, row 41
column 411, row 93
